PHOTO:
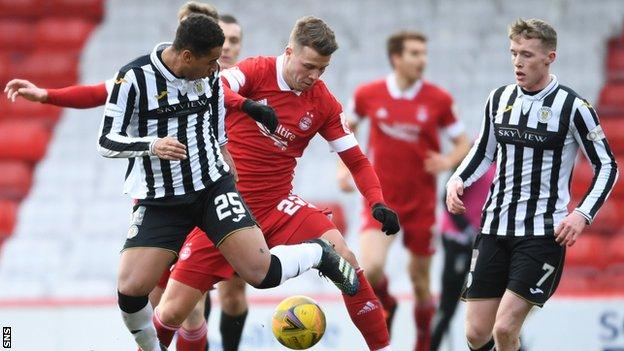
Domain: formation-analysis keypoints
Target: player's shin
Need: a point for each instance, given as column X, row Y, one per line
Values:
column 231, row 328
column 367, row 314
column 137, row 315
column 288, row 261
column 164, row 331
column 193, row 340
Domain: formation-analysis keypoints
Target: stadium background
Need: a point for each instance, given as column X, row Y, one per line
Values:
column 63, row 217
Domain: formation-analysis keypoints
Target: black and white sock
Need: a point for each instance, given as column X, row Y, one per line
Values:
column 136, row 313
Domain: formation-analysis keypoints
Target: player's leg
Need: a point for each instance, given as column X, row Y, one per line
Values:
column 511, row 314
column 233, row 311
column 156, row 293
column 374, row 246
column 480, row 317
column 485, row 285
column 156, row 234
column 364, row 307
column 177, row 303
column 193, row 334
column 230, row 225
column 456, row 265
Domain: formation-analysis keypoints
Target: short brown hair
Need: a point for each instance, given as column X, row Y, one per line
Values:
column 534, row 29
column 197, row 7
column 314, row 33
column 396, row 42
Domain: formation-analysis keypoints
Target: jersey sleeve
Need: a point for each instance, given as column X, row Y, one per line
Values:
column 242, row 77
column 78, row 96
column 482, row 153
column 448, row 121
column 589, row 135
column 122, row 102
column 336, row 128
column 221, row 134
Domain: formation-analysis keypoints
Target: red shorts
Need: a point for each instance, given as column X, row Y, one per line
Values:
column 292, row 221
column 418, row 225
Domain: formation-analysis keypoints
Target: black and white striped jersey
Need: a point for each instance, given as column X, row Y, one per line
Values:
column 147, row 102
column 534, row 140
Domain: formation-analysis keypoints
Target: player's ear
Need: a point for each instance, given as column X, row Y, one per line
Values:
column 288, row 51
column 186, row 56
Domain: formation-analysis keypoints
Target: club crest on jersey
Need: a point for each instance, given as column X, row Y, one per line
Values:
column 422, row 114
column 306, row 121
column 381, row 113
column 199, row 87
column 544, row 114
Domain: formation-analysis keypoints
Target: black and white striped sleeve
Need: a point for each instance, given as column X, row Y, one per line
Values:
column 221, row 132
column 119, row 112
column 591, row 138
column 482, row 153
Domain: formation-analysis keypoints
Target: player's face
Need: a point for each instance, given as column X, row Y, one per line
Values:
column 303, row 66
column 197, row 67
column 412, row 61
column 531, row 63
column 232, row 44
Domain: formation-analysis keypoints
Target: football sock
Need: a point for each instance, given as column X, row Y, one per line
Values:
column 423, row 312
column 136, row 313
column 367, row 314
column 165, row 332
column 296, row 259
column 489, row 346
column 381, row 290
column 231, row 328
column 193, row 340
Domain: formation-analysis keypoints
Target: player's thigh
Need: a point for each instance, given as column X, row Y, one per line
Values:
column 480, row 318
column 511, row 313
column 536, row 267
column 247, row 252
column 294, row 221
column 140, row 268
column 177, row 302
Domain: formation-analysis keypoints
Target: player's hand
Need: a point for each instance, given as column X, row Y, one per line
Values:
column 455, row 189
column 388, row 219
column 436, row 163
column 568, row 231
column 261, row 113
column 169, row 148
column 345, row 180
column 25, row 89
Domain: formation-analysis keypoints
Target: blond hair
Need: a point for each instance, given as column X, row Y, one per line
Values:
column 198, row 7
column 314, row 33
column 534, row 29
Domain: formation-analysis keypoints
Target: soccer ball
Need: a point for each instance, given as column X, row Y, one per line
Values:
column 298, row 322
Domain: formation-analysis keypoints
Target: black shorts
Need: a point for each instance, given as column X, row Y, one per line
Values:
column 530, row 267
column 218, row 210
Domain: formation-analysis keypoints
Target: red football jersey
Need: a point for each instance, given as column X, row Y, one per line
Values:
column 405, row 125
column 266, row 162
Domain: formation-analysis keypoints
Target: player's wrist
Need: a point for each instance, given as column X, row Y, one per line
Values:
column 152, row 147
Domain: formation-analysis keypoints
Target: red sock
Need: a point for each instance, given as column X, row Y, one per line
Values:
column 381, row 290
column 193, row 340
column 367, row 315
column 165, row 332
column 423, row 312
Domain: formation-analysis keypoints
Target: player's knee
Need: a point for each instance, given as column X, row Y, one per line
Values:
column 504, row 331
column 234, row 303
column 170, row 315
column 196, row 318
column 477, row 336
column 374, row 271
column 133, row 287
column 256, row 271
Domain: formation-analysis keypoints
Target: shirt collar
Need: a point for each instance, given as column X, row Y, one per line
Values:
column 554, row 83
column 281, row 82
column 395, row 91
column 160, row 66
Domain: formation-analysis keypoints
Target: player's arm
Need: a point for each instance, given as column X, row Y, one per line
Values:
column 437, row 163
column 589, row 135
column 77, row 96
column 118, row 113
column 345, row 180
column 475, row 164
column 238, row 82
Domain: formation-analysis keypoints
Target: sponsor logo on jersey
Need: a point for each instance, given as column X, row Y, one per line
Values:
column 596, row 134
column 401, row 131
column 517, row 135
column 280, row 138
column 544, row 114
column 306, row 121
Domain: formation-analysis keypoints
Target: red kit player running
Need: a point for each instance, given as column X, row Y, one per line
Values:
column 406, row 115
column 265, row 163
